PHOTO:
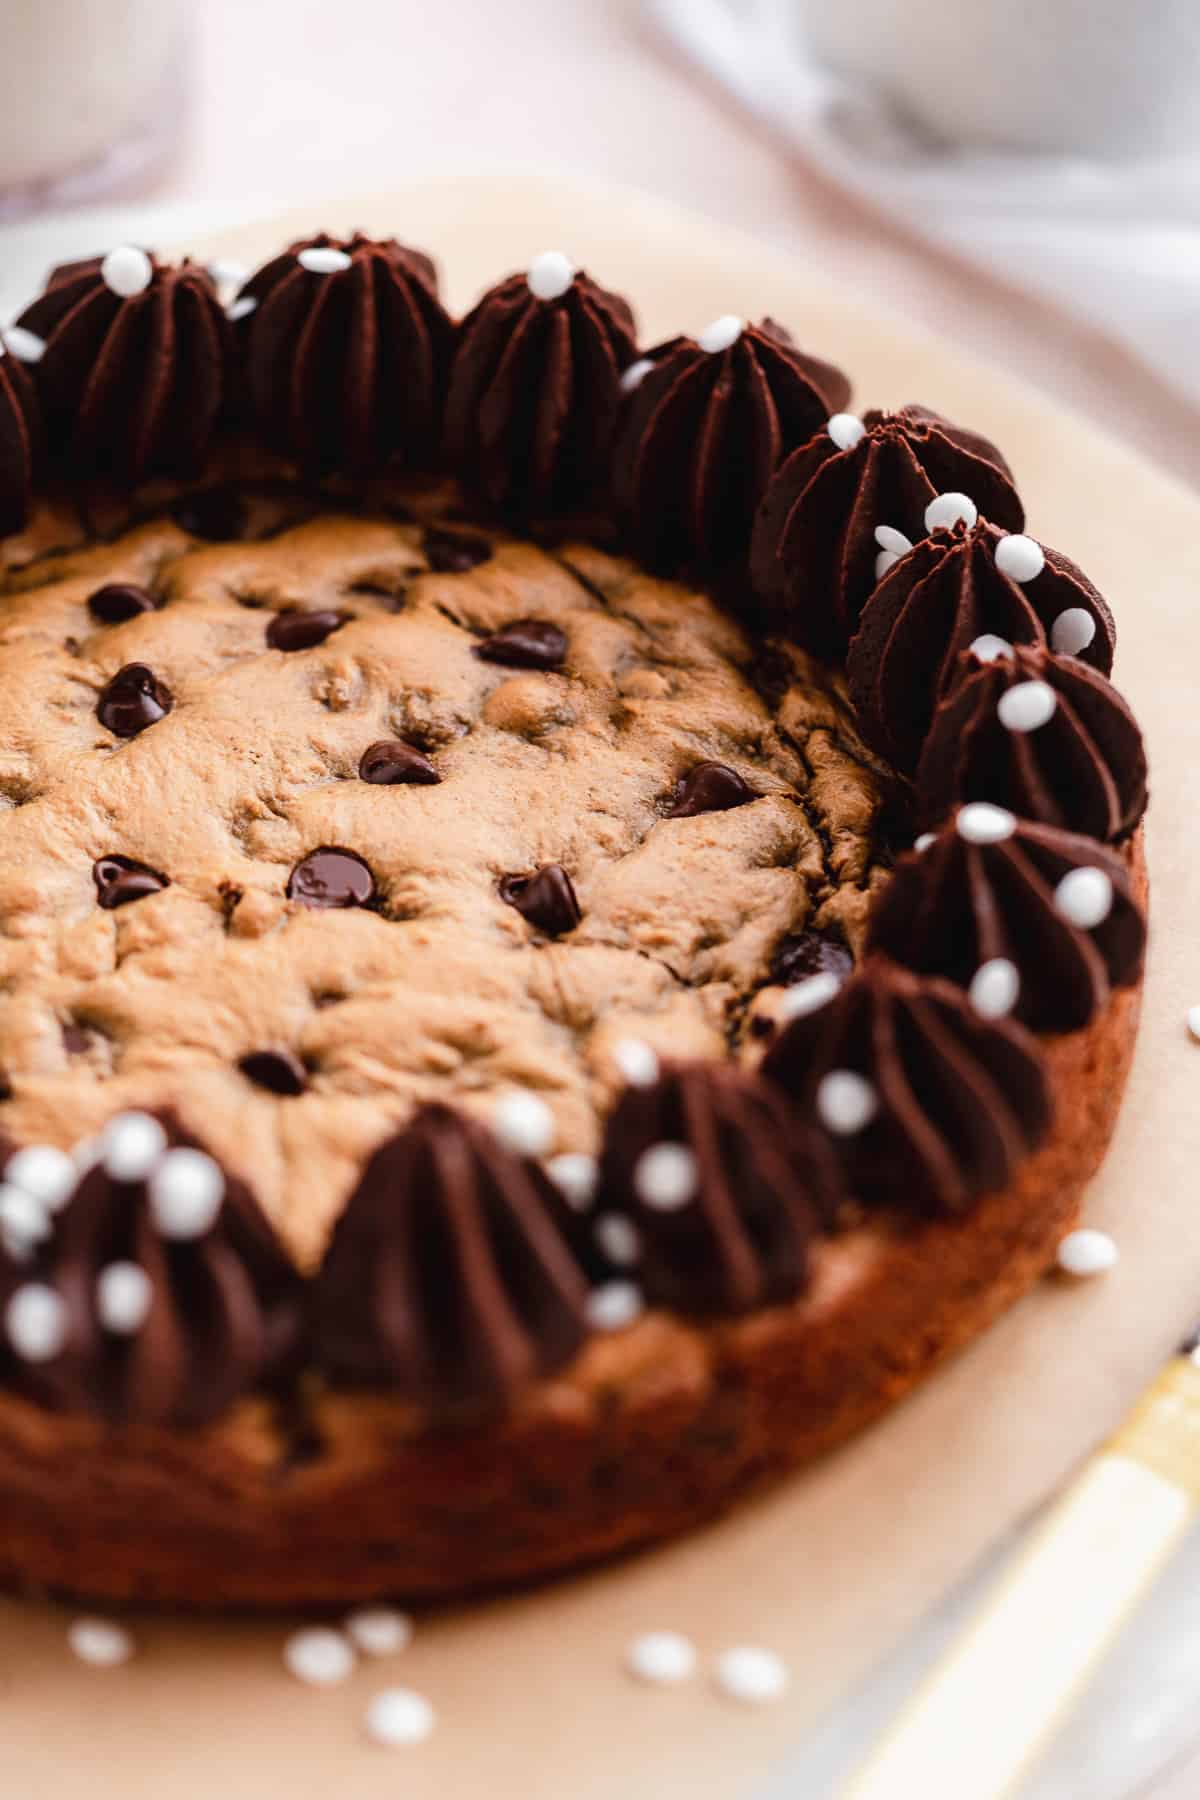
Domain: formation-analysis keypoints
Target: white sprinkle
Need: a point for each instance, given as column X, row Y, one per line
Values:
column 1193, row 1022
column 102, row 1643
column 46, row 1174
column 662, row 1658
column 989, row 647
column 615, row 1305
column 1072, row 631
column 947, row 509
column 399, row 1716
column 636, row 1061
column 635, row 374
column 994, row 988
column 23, row 1219
column 319, row 1656
column 1027, row 706
column 550, row 275
column 186, row 1190
column 323, row 259
column 123, row 1296
column 127, row 271
column 25, row 345
column 885, row 560
column 524, row 1123
column 133, row 1144
column 1084, row 897
column 846, row 430
column 666, row 1176
column 1020, row 558
column 923, row 842
column 227, row 274
column 241, row 308
column 809, row 995
column 721, row 334
column 618, row 1238
column 1087, row 1253
column 36, row 1322
column 979, row 822
column 379, row 1630
column 750, row 1674
column 846, row 1102
column 888, row 538
column 575, row 1173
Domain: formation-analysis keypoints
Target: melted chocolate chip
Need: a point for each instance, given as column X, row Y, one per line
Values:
column 709, row 787
column 454, row 552
column 218, row 514
column 331, row 877
column 808, row 953
column 302, row 630
column 133, row 699
column 119, row 880
column 526, row 644
column 546, row 899
column 276, row 1070
column 119, row 601
column 390, row 762
column 75, row 1039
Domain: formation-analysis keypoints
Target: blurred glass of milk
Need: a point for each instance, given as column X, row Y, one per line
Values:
column 88, row 94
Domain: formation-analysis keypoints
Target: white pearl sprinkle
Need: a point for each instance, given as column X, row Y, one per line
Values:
column 550, row 275
column 989, row 647
column 636, row 1061
column 1072, row 631
column 1084, row 897
column 846, row 430
column 1193, row 1022
column 132, row 1145
column 846, row 1102
column 662, row 1658
column 979, row 822
column 809, row 995
column 926, row 838
column 945, row 510
column 123, row 1296
column 615, row 1305
column 666, row 1176
column 635, row 374
column 102, row 1643
column 575, row 1175
column 1027, row 706
column 885, row 560
column 241, row 308
column 888, row 538
column 127, row 271
column 323, row 259
column 1087, row 1253
column 619, row 1240
column 226, row 273
column 995, row 987
column 318, row 1656
column 36, row 1322
column 25, row 345
column 1019, row 557
column 24, row 1219
column 752, row 1675
column 524, row 1123
column 186, row 1190
column 721, row 334
column 399, row 1716
column 379, row 1630
column 46, row 1174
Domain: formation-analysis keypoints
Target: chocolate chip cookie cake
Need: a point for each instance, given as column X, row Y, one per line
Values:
column 571, row 920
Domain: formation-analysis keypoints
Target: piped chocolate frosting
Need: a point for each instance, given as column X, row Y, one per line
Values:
column 21, row 440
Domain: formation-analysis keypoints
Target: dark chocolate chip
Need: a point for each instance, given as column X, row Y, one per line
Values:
column 526, row 644
column 390, row 762
column 75, row 1039
column 277, row 1070
column 119, row 601
column 546, row 899
column 709, row 787
column 454, row 552
column 217, row 514
column 119, row 880
column 133, row 699
column 808, row 953
column 331, row 877
column 302, row 630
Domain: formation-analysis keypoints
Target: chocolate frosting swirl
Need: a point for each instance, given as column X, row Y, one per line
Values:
column 449, row 1278
column 131, row 384
column 534, row 395
column 957, row 905
column 704, row 432
column 814, row 549
column 21, row 441
column 933, row 605
column 222, row 1315
column 347, row 367
column 957, row 1101
column 764, row 1185
column 1084, row 768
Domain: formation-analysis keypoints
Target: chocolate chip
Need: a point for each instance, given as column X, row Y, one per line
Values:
column 277, row 1070
column 454, row 552
column 709, row 787
column 133, row 699
column 119, row 880
column 390, row 762
column 807, row 953
column 546, row 899
column 302, row 630
column 75, row 1039
column 526, row 644
column 119, row 601
column 218, row 514
column 331, row 877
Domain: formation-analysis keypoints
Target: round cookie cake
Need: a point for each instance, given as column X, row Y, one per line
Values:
column 571, row 920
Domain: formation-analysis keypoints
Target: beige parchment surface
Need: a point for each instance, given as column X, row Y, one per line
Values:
column 832, row 1567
